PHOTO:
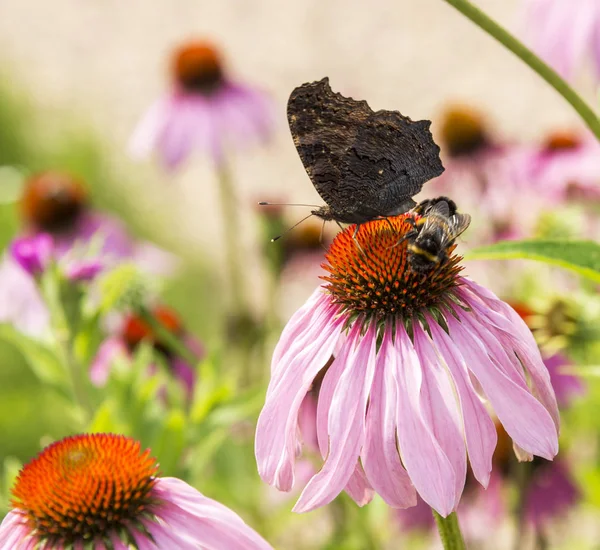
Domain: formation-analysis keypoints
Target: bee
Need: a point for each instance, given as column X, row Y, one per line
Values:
column 434, row 232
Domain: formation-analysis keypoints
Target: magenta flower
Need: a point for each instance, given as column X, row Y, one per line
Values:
column 566, row 386
column 204, row 110
column 563, row 33
column 399, row 409
column 33, row 253
column 102, row 491
column 131, row 331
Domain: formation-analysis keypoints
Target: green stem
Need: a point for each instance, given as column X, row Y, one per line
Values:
column 449, row 531
column 230, row 217
column 167, row 337
column 521, row 51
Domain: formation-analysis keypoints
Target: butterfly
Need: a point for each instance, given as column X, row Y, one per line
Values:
column 365, row 164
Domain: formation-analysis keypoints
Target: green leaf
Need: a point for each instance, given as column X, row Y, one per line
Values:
column 582, row 257
column 42, row 359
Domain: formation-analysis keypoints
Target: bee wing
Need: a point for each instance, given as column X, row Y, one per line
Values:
column 457, row 225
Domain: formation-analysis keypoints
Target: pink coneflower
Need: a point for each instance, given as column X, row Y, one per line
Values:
column 60, row 224
column 204, row 110
column 563, row 33
column 420, row 350
column 485, row 170
column 133, row 330
column 565, row 167
column 102, row 491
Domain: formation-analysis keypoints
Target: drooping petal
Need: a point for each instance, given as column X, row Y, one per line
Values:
column 525, row 419
column 176, row 141
column 357, row 487
column 275, row 443
column 346, row 422
column 425, row 461
column 440, row 408
column 513, row 333
column 380, row 456
column 214, row 526
column 480, row 433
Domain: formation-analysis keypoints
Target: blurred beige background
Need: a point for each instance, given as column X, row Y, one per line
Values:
column 103, row 62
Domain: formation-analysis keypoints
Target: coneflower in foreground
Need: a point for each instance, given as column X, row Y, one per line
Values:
column 102, row 491
column 399, row 408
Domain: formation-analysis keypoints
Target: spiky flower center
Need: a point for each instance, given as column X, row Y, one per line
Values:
column 462, row 131
column 197, row 68
column 370, row 272
column 562, row 141
column 52, row 201
column 85, row 488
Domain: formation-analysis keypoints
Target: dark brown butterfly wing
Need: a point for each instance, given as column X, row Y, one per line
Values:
column 364, row 164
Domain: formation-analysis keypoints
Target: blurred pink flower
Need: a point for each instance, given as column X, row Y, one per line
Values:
column 408, row 345
column 550, row 494
column 102, row 491
column 565, row 167
column 59, row 221
column 131, row 331
column 566, row 386
column 563, row 32
column 203, row 110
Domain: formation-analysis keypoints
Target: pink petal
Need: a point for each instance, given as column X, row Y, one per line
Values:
column 524, row 417
column 380, row 456
column 108, row 352
column 192, row 516
column 150, row 128
column 346, row 422
column 13, row 531
column 439, row 407
column 276, row 429
column 480, row 432
column 514, row 334
column 358, row 487
column 426, row 463
column 176, row 141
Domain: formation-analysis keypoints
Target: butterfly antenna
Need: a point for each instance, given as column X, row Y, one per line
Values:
column 265, row 203
column 289, row 229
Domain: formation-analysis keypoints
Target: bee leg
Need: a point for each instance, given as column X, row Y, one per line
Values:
column 409, row 235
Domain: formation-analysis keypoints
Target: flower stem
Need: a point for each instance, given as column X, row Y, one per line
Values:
column 449, row 531
column 166, row 336
column 520, row 50
column 229, row 216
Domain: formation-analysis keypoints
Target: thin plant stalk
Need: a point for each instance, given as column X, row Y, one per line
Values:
column 230, row 217
column 525, row 54
column 449, row 530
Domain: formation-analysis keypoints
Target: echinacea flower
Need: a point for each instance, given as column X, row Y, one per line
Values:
column 204, row 110
column 102, row 491
column 563, row 33
column 132, row 330
column 565, row 167
column 485, row 171
column 60, row 225
column 400, row 407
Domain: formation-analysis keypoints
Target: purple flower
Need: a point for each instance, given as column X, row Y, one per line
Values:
column 102, row 491
column 204, row 110
column 33, row 253
column 564, row 32
column 400, row 409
